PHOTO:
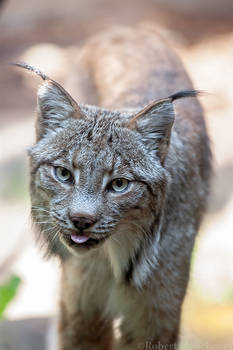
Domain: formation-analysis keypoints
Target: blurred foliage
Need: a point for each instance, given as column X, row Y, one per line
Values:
column 8, row 292
column 229, row 295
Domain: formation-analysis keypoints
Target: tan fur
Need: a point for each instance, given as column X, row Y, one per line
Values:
column 117, row 61
column 136, row 266
column 81, row 308
column 122, row 65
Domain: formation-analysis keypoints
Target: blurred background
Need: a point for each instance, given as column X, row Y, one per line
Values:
column 48, row 34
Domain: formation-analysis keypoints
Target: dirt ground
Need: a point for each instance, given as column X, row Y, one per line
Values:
column 47, row 34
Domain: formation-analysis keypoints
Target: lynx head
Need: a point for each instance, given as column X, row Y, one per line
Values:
column 96, row 172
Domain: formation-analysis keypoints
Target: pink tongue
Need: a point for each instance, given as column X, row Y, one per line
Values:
column 79, row 239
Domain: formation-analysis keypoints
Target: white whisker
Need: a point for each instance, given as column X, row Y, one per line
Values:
column 40, row 209
column 56, row 235
column 50, row 228
column 42, row 222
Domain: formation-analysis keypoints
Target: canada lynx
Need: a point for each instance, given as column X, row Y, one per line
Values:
column 118, row 191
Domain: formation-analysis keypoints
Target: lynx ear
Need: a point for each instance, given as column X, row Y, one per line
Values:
column 155, row 122
column 55, row 105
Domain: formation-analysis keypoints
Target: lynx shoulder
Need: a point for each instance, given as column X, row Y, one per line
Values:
column 119, row 188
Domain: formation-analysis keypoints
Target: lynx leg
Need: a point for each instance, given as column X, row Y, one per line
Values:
column 149, row 318
column 82, row 323
column 76, row 332
column 144, row 336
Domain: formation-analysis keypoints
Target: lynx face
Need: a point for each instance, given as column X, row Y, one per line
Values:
column 90, row 178
column 95, row 172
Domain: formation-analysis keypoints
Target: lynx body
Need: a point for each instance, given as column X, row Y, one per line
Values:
column 118, row 190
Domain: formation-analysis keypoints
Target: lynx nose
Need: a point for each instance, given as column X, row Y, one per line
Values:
column 82, row 221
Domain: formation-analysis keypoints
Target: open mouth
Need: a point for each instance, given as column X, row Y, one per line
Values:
column 82, row 241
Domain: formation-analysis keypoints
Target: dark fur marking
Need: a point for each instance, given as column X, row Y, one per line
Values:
column 131, row 265
column 174, row 338
column 184, row 94
column 89, row 136
column 136, row 258
column 127, row 338
column 110, row 139
column 31, row 68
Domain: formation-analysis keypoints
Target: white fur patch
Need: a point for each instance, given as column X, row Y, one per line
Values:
column 120, row 247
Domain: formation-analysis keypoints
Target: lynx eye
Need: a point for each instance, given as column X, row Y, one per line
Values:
column 119, row 185
column 62, row 174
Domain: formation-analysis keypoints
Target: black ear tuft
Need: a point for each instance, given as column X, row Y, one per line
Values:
column 185, row 94
column 55, row 105
column 155, row 122
column 33, row 69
